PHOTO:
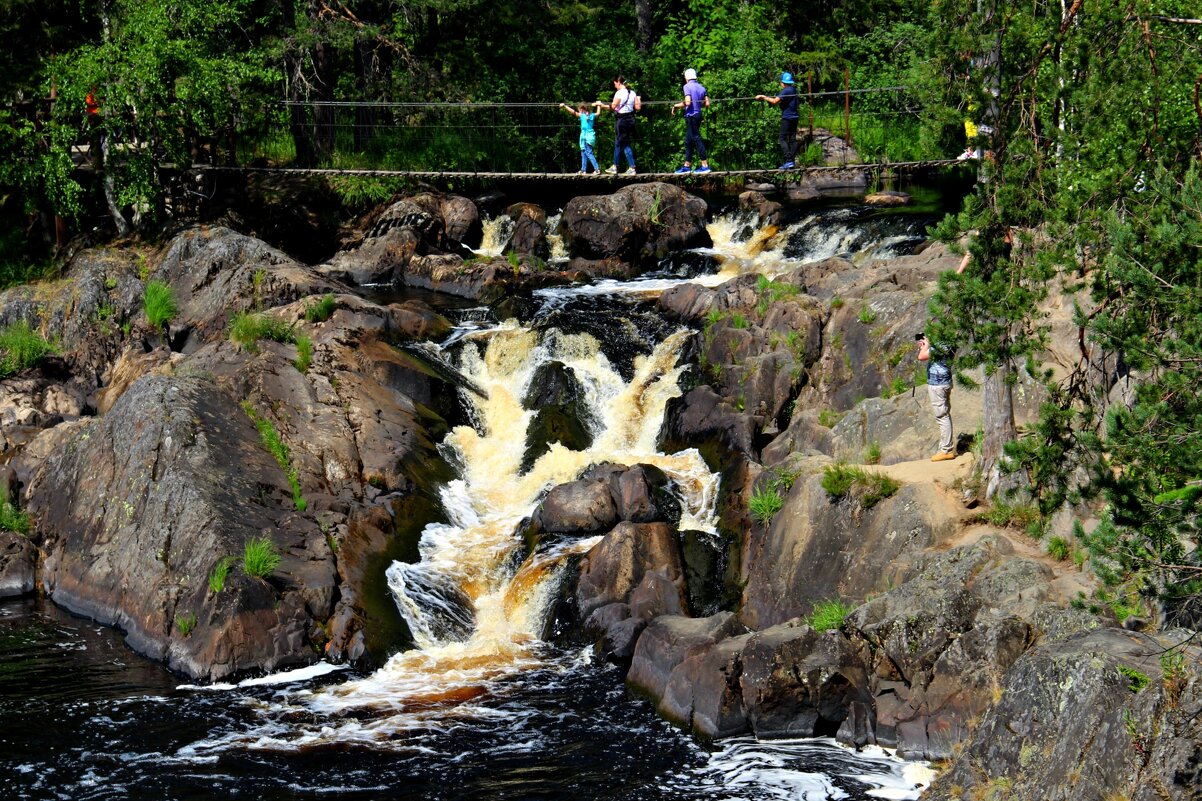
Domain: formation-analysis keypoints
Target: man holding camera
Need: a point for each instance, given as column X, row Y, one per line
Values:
column 939, row 386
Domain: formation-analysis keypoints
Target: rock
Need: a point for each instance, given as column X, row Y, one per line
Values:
column 485, row 280
column 669, row 640
column 703, row 692
column 133, row 363
column 704, row 559
column 702, row 419
column 835, row 150
column 16, row 565
column 461, row 220
column 902, row 427
column 768, row 212
column 615, row 566
column 578, row 507
column 563, row 414
column 136, row 511
column 816, row 549
column 797, row 682
column 888, row 199
column 637, row 225
column 215, row 273
column 801, row 193
column 1091, row 717
column 529, row 230
column 415, row 320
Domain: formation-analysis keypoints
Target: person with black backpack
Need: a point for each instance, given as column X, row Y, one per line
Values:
column 624, row 104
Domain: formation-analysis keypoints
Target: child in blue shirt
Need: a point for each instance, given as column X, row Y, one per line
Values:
column 588, row 135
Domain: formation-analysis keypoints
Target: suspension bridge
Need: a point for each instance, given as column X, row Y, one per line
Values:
column 865, row 130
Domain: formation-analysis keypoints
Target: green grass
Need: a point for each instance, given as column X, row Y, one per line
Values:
column 867, row 487
column 764, row 504
column 321, row 310
column 828, row 615
column 829, row 418
column 247, row 328
column 158, row 302
column 260, row 557
column 304, row 353
column 275, row 445
column 185, row 623
column 22, row 348
column 221, row 572
column 1058, row 548
column 1136, row 680
column 739, row 321
column 866, row 316
column 836, row 302
column 13, row 519
column 1024, row 516
column 872, row 454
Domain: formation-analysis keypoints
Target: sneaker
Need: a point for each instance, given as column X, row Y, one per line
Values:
column 684, row 169
column 612, row 170
column 582, row 172
column 788, row 165
column 943, row 456
column 702, row 169
column 629, row 172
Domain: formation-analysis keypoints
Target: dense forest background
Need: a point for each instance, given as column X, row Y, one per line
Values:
column 1091, row 131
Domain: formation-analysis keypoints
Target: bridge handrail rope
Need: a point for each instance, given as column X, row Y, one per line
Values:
column 553, row 104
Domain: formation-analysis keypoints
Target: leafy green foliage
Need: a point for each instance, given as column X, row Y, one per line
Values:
column 260, row 557
column 159, row 304
column 185, row 623
column 828, row 615
column 22, row 348
column 14, row 519
column 1136, row 680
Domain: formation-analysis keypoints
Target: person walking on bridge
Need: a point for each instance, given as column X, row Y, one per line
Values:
column 623, row 105
column 789, row 103
column 695, row 99
column 588, row 136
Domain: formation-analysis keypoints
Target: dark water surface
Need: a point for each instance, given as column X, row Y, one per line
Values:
column 82, row 717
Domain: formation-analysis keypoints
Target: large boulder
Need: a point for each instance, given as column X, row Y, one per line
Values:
column 562, row 414
column 668, row 641
column 1100, row 715
column 617, row 565
column 817, row 548
column 137, row 511
column 637, row 226
column 17, row 556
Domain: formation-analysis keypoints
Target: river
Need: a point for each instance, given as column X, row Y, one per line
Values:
column 483, row 707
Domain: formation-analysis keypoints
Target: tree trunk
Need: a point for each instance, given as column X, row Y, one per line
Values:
column 645, row 35
column 298, row 118
column 323, row 115
column 997, row 420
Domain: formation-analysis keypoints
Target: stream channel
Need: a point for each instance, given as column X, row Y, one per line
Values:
column 482, row 707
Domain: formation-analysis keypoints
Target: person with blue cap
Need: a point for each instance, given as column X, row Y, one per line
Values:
column 790, row 104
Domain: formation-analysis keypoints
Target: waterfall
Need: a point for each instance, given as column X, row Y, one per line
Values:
column 559, row 248
column 496, row 235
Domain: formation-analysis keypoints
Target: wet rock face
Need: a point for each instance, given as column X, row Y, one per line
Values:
column 529, row 230
column 138, row 509
column 637, row 225
column 1093, row 717
column 16, row 565
column 562, row 416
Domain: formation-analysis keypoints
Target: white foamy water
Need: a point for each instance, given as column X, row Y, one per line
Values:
column 496, row 234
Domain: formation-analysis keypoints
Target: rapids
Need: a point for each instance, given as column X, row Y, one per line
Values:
column 482, row 707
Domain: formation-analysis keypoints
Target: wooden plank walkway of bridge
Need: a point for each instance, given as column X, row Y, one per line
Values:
column 765, row 175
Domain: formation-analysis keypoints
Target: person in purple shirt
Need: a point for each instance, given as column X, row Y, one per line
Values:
column 695, row 99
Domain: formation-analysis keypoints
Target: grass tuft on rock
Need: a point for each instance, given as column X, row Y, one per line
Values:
column 276, row 446
column 260, row 557
column 247, row 328
column 221, row 572
column 764, row 504
column 828, row 615
column 866, row 487
column 321, row 310
column 22, row 347
column 158, row 302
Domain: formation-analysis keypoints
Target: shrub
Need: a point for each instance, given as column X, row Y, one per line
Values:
column 221, row 572
column 866, row 487
column 260, row 557
column 322, row 310
column 304, row 353
column 1018, row 516
column 1058, row 548
column 1136, row 680
column 159, row 304
column 247, row 328
column 22, row 347
column 828, row 615
column 764, row 504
